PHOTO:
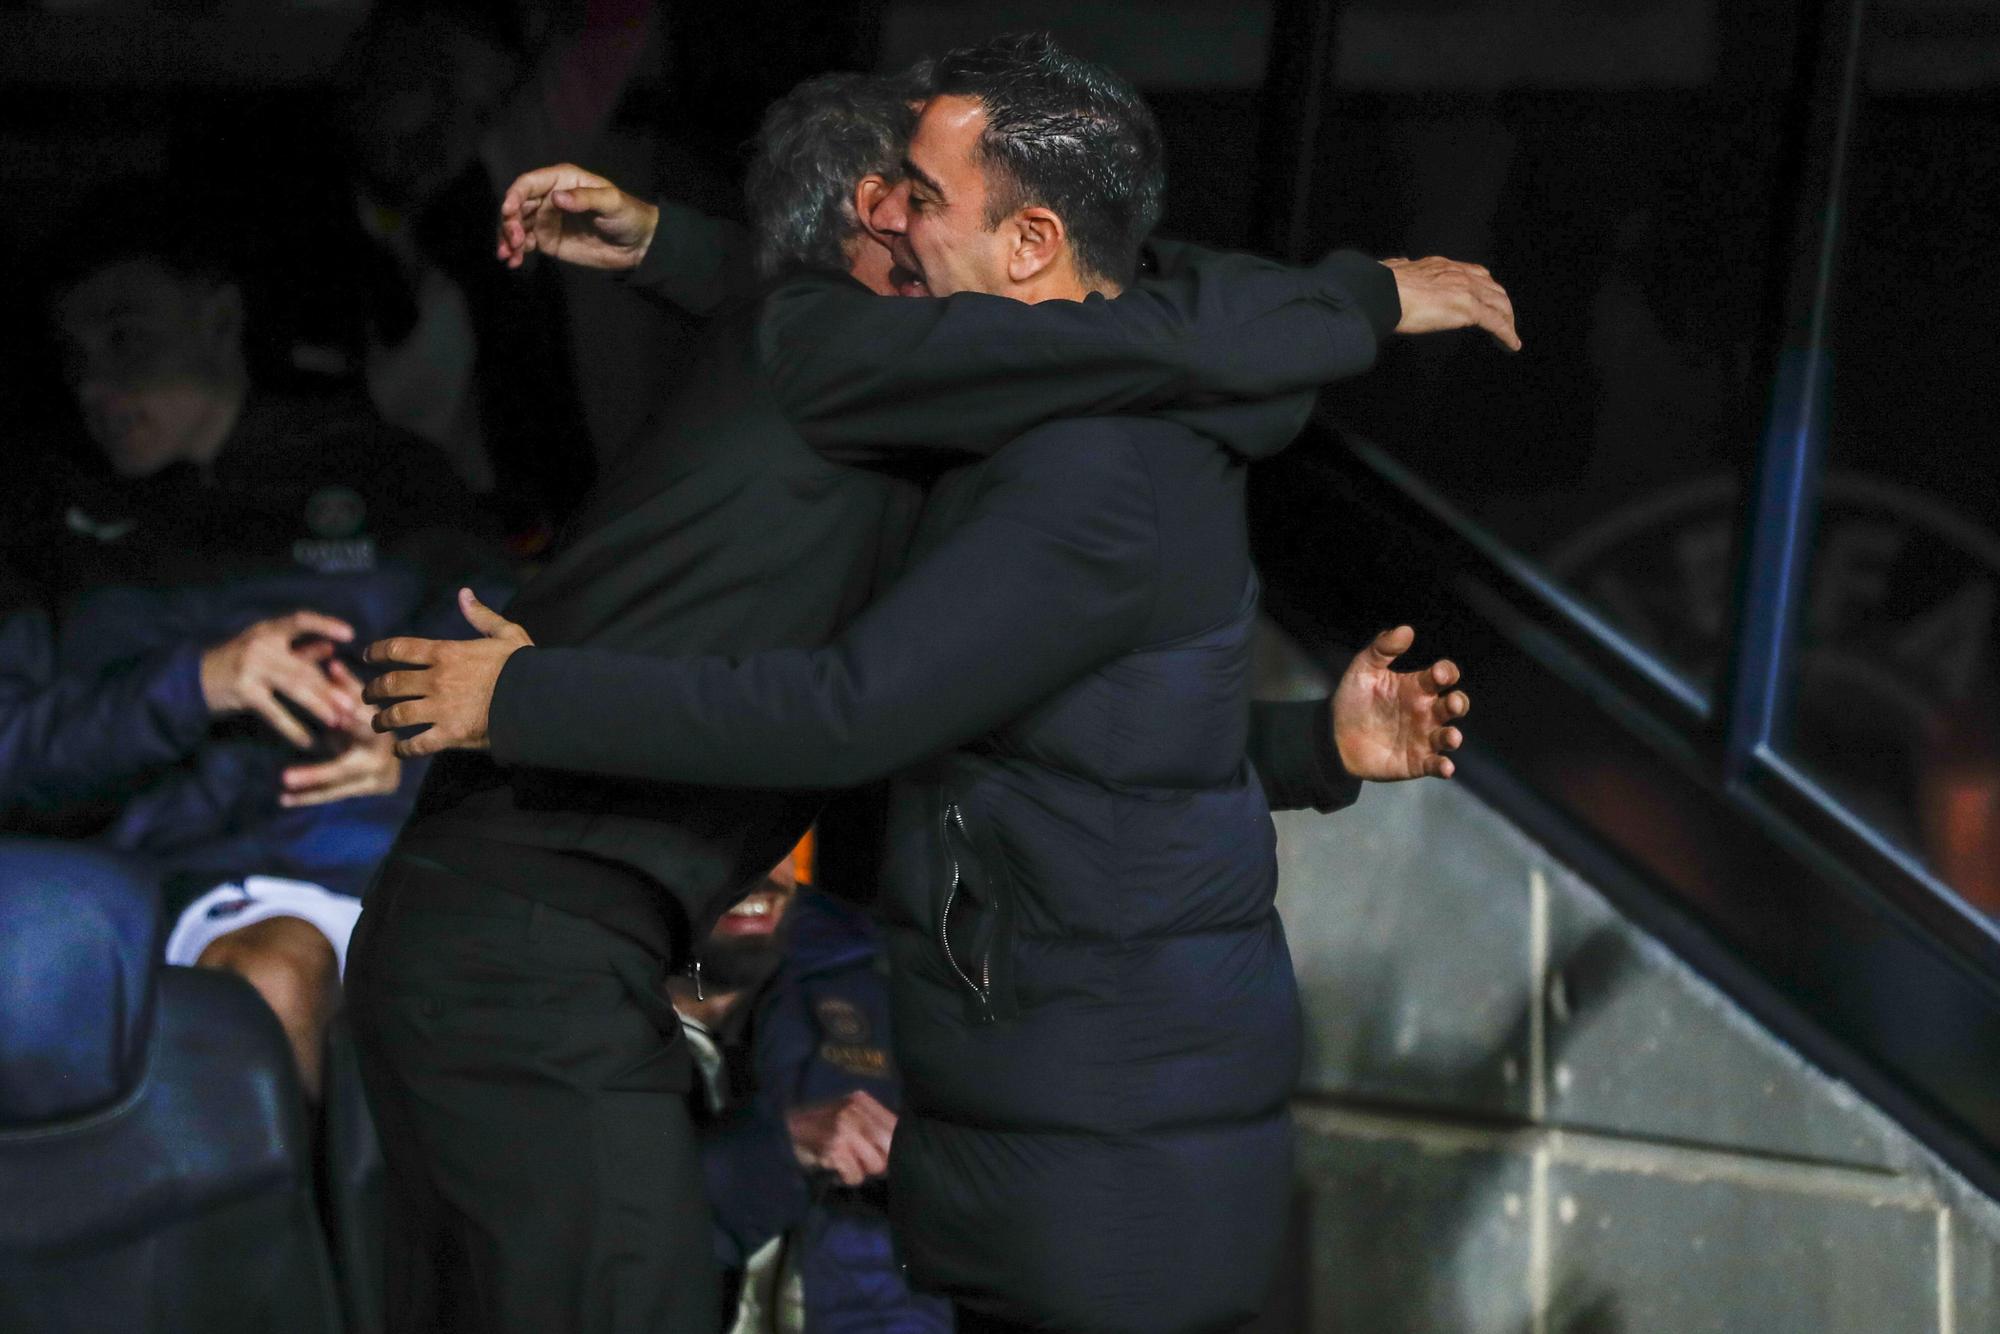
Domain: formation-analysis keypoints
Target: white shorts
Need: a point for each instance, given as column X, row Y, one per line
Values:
column 228, row 908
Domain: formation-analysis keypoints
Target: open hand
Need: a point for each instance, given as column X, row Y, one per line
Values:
column 368, row 767
column 575, row 216
column 846, row 1136
column 1390, row 725
column 1440, row 294
column 273, row 661
column 451, row 695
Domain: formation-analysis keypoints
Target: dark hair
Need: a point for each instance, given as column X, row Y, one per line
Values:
column 815, row 143
column 1068, row 136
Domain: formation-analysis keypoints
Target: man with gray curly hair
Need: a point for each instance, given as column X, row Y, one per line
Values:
column 816, row 143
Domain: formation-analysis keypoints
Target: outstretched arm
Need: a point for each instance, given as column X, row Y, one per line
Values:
column 1380, row 726
column 73, row 736
column 1051, row 575
column 667, row 250
column 865, row 377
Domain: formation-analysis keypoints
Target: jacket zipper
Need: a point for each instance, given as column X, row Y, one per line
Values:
column 982, row 987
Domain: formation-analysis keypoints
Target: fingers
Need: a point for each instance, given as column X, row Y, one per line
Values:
column 846, row 1165
column 266, row 706
column 430, row 741
column 530, row 188
column 304, row 777
column 484, row 619
column 361, row 772
column 867, row 1150
column 409, row 713
column 589, row 199
column 344, row 681
column 359, row 786
column 1491, row 308
column 417, row 652
column 877, row 1122
column 1496, row 315
column 862, row 1134
column 391, row 686
column 1440, row 294
column 1444, row 673
column 302, row 623
column 523, row 200
column 303, row 685
column 1391, row 645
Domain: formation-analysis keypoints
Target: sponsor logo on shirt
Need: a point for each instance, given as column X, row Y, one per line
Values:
column 842, row 1020
column 336, row 511
column 335, row 556
column 854, row 1059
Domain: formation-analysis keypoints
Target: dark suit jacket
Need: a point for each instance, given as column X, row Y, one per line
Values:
column 734, row 528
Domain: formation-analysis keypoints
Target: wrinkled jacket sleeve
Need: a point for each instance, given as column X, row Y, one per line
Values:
column 1291, row 747
column 72, row 737
column 1053, row 572
column 866, row 378
column 696, row 262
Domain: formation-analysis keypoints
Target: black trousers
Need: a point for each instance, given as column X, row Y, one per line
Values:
column 529, row 1080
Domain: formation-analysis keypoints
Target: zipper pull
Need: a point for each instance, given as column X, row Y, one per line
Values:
column 695, row 969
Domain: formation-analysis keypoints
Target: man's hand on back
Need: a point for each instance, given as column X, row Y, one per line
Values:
column 274, row 661
column 846, row 1136
column 572, row 215
column 1390, row 725
column 1440, row 294
column 452, row 694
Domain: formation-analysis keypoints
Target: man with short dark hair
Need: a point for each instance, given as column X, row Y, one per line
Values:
column 1080, row 895
column 734, row 527
column 196, row 560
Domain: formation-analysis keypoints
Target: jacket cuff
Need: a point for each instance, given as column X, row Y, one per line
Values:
column 1306, row 767
column 510, row 715
column 662, row 256
column 1373, row 285
column 177, row 694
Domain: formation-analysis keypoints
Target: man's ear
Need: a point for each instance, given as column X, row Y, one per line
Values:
column 1038, row 239
column 869, row 191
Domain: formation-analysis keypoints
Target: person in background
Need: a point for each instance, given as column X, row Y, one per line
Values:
column 787, row 1011
column 230, row 748
column 185, row 572
column 184, row 470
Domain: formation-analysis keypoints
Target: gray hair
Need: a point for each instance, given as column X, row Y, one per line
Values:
column 816, row 142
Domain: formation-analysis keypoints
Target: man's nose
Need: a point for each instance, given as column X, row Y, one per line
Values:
column 892, row 210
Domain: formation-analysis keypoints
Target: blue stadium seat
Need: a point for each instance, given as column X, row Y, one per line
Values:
column 154, row 1161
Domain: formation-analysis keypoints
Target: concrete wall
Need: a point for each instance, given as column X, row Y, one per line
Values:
column 1519, row 1114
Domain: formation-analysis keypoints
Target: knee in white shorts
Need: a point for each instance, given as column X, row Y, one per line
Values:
column 228, row 908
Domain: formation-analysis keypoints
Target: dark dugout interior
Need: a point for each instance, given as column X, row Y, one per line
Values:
column 1723, row 543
